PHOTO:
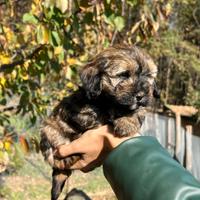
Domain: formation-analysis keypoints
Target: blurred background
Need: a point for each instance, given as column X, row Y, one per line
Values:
column 42, row 45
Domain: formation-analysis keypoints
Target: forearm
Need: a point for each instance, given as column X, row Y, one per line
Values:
column 140, row 169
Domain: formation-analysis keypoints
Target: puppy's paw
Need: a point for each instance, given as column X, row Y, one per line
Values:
column 123, row 127
column 119, row 132
column 65, row 163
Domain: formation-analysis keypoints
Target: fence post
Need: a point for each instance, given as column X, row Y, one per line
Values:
column 188, row 147
column 178, row 135
column 170, row 144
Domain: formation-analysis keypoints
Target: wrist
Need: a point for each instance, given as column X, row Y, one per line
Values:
column 105, row 135
column 112, row 141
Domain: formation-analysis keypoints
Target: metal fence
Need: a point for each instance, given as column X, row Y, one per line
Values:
column 164, row 129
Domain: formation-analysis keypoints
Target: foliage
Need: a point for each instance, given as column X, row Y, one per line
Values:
column 43, row 44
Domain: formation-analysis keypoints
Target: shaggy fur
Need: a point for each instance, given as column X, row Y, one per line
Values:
column 117, row 86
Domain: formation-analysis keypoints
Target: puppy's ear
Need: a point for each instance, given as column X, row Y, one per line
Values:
column 91, row 80
column 147, row 66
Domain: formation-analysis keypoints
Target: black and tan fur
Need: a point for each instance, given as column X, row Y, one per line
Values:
column 117, row 86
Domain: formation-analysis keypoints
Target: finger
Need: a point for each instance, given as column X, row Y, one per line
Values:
column 63, row 151
column 80, row 164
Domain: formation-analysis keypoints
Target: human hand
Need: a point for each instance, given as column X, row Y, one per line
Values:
column 94, row 145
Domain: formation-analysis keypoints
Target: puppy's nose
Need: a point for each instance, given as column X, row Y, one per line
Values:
column 139, row 98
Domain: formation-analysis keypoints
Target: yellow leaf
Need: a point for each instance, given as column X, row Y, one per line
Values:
column 135, row 27
column 33, row 42
column 45, row 35
column 24, row 77
column 40, row 109
column 83, row 58
column 14, row 74
column 4, row 59
column 17, row 45
column 27, row 29
column 9, row 34
column 26, row 64
column 70, row 85
column 168, row 9
column 33, row 8
column 75, row 40
column 155, row 26
column 42, row 34
column 71, row 61
column 7, row 145
column 58, row 50
column 138, row 38
column 2, row 81
column 66, row 22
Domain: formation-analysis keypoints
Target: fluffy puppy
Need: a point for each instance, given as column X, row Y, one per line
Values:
column 117, row 86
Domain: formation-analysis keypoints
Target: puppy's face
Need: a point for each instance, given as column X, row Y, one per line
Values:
column 122, row 73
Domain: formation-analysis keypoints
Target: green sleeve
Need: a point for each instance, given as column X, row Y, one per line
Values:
column 141, row 169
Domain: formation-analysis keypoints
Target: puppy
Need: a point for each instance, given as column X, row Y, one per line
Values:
column 117, row 86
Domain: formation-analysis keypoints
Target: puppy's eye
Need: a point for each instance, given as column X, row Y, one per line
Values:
column 125, row 74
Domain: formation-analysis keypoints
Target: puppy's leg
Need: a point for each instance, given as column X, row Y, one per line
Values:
column 129, row 125
column 60, row 174
column 59, row 178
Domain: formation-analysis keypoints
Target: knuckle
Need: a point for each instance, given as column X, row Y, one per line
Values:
column 60, row 152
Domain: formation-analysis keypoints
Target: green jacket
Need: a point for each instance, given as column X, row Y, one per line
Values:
column 141, row 169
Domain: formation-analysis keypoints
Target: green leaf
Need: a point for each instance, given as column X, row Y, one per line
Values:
column 55, row 66
column 132, row 2
column 61, row 57
column 50, row 53
column 88, row 19
column 24, row 99
column 27, row 17
column 33, row 119
column 56, row 41
column 109, row 19
column 3, row 101
column 39, row 35
column 48, row 13
column 49, row 3
column 119, row 23
column 106, row 43
column 42, row 34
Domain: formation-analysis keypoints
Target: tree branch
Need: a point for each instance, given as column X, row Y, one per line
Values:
column 10, row 66
column 195, row 17
column 114, row 37
column 10, row 108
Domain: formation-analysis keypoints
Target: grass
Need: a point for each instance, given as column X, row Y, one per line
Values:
column 32, row 181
